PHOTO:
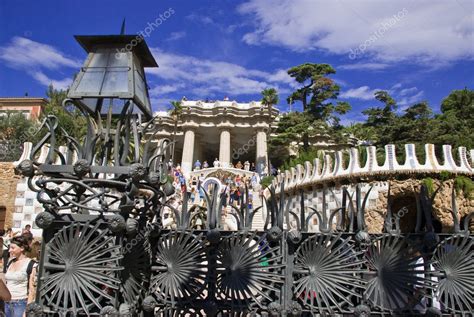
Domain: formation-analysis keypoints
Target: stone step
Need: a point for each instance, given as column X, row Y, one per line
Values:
column 258, row 221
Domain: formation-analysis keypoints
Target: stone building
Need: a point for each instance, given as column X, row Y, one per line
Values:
column 18, row 205
column 226, row 130
column 29, row 106
column 8, row 181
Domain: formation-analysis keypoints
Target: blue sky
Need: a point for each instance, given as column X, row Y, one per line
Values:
column 416, row 49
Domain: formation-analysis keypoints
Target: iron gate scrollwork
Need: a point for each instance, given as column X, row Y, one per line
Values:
column 106, row 253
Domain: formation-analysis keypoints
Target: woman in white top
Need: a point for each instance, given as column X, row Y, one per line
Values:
column 19, row 282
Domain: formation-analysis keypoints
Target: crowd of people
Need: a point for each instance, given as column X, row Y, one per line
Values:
column 247, row 166
column 19, row 259
column 240, row 188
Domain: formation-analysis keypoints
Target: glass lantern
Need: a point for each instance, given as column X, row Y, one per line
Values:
column 113, row 74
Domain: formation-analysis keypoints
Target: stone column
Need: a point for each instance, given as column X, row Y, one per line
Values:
column 261, row 153
column 188, row 152
column 224, row 148
column 197, row 149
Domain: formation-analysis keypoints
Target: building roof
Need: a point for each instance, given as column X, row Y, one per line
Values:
column 40, row 100
column 220, row 103
column 90, row 42
column 221, row 107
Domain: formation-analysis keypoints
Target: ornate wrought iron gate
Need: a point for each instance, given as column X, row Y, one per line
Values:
column 118, row 260
column 105, row 252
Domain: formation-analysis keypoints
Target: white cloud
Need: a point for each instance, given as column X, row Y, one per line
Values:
column 403, row 96
column 363, row 93
column 364, row 66
column 45, row 80
column 200, row 18
column 408, row 100
column 204, row 77
column 176, row 36
column 425, row 31
column 160, row 104
column 33, row 57
column 165, row 89
column 407, row 91
column 396, row 86
column 25, row 53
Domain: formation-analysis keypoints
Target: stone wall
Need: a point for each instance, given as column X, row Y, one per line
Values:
column 335, row 168
column 443, row 204
column 403, row 201
column 403, row 195
column 8, row 183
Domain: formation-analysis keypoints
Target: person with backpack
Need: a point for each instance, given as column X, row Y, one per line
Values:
column 19, row 276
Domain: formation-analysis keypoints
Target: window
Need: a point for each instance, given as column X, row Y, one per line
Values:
column 38, row 209
column 27, row 217
column 20, row 194
column 105, row 72
column 29, row 202
column 18, row 209
column 17, row 224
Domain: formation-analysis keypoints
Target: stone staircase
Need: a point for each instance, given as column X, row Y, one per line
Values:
column 258, row 219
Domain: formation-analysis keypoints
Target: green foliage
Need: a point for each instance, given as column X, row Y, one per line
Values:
column 417, row 124
column 362, row 132
column 269, row 97
column 266, row 181
column 176, row 109
column 15, row 129
column 455, row 125
column 304, row 156
column 317, row 92
column 465, row 185
column 429, row 183
column 445, row 175
column 70, row 118
column 385, row 124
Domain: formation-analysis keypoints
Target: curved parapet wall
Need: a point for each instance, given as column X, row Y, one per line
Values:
column 332, row 167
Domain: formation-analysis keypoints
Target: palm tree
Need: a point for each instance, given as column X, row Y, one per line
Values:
column 269, row 98
column 175, row 112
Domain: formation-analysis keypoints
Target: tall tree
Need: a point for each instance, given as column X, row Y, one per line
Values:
column 175, row 112
column 382, row 119
column 380, row 116
column 455, row 124
column 269, row 99
column 318, row 92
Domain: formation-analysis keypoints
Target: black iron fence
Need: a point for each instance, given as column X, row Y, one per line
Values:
column 105, row 252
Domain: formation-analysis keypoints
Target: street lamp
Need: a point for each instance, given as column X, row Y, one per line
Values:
column 113, row 74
